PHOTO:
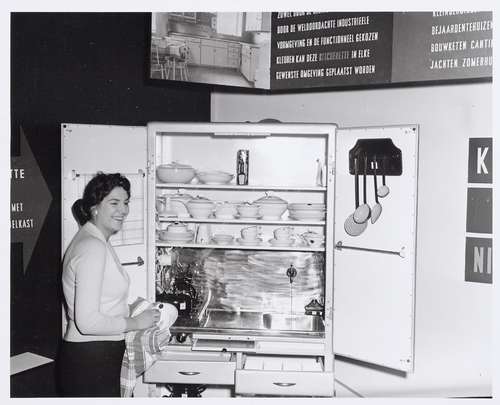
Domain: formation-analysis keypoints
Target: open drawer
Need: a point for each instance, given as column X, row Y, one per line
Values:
column 283, row 376
column 192, row 368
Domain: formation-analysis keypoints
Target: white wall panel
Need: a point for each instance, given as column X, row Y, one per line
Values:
column 453, row 342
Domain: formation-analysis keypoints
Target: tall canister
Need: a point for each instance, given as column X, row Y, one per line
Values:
column 242, row 161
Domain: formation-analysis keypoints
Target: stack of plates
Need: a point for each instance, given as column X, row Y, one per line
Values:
column 307, row 211
column 177, row 237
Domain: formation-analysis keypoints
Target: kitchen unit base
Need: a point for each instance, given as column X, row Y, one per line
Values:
column 183, row 370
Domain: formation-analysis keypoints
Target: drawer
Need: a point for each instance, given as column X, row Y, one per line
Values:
column 284, row 376
column 214, row 43
column 284, row 383
column 193, row 369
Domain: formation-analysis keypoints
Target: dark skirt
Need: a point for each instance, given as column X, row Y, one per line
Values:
column 90, row 369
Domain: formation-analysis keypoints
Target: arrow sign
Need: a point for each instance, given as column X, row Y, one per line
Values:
column 30, row 200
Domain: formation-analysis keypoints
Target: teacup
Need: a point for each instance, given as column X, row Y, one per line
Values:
column 250, row 233
column 283, row 233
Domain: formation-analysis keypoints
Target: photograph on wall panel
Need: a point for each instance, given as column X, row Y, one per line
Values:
column 305, row 50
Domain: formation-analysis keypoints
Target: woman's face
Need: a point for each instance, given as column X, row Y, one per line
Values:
column 112, row 211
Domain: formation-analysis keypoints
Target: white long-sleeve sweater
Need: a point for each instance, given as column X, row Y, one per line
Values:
column 95, row 288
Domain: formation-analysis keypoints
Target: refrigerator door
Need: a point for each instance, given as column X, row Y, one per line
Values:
column 374, row 262
column 87, row 149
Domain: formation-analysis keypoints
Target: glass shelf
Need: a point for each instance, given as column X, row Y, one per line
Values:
column 263, row 246
column 242, row 221
column 236, row 187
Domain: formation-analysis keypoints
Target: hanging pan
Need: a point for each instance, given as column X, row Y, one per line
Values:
column 383, row 190
column 377, row 208
column 362, row 212
column 350, row 226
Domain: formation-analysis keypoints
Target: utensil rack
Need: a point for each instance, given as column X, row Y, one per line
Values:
column 381, row 155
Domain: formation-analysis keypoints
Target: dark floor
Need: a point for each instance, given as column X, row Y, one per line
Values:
column 34, row 383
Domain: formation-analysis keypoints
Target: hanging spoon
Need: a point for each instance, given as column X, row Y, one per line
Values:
column 383, row 190
column 377, row 208
column 362, row 213
column 350, row 226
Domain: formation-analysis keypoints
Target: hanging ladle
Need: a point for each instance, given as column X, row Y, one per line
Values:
column 351, row 227
column 377, row 208
column 362, row 212
column 383, row 190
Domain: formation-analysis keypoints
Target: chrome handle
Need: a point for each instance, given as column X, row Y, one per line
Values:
column 400, row 253
column 281, row 384
column 139, row 262
column 189, row 372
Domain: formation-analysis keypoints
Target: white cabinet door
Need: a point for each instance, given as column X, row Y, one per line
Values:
column 220, row 57
column 207, row 55
column 253, row 21
column 87, row 149
column 374, row 272
column 194, row 57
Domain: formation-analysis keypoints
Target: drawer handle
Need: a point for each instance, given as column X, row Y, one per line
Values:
column 189, row 372
column 284, row 384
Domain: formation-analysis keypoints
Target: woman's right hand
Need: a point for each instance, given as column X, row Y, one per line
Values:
column 147, row 319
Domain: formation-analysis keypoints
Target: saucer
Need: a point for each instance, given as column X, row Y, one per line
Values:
column 282, row 243
column 249, row 242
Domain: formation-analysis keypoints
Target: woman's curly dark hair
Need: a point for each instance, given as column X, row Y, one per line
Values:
column 95, row 191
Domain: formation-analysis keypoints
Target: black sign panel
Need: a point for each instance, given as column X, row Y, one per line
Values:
column 442, row 46
column 478, row 260
column 480, row 160
column 330, row 49
column 479, row 210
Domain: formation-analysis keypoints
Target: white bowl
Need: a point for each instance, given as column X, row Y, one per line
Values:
column 226, row 209
column 175, row 173
column 200, row 203
column 248, row 210
column 307, row 206
column 272, row 210
column 222, row 239
column 307, row 215
column 214, row 177
column 200, row 212
column 270, row 199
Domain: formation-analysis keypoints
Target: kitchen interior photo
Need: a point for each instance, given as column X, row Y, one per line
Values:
column 225, row 48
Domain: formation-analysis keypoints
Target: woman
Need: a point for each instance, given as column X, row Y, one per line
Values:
column 95, row 288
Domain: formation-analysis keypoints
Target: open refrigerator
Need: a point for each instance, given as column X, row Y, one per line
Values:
column 263, row 315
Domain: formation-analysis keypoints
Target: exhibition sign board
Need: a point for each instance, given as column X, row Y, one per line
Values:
column 29, row 200
column 304, row 50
